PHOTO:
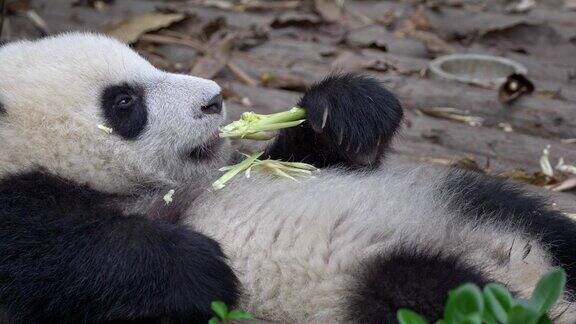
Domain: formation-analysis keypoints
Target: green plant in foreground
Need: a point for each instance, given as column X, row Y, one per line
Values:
column 280, row 168
column 259, row 127
column 223, row 315
column 494, row 304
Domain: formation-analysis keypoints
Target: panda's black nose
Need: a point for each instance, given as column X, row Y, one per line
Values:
column 214, row 106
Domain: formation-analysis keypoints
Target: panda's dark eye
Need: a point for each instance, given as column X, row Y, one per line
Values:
column 123, row 101
column 124, row 109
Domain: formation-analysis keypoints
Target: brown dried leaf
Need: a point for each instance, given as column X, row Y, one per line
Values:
column 515, row 86
column 241, row 74
column 215, row 58
column 329, row 10
column 468, row 162
column 18, row 6
column 536, row 178
column 352, row 62
column 434, row 44
column 418, row 20
column 551, row 94
column 453, row 114
column 284, row 81
column 131, row 29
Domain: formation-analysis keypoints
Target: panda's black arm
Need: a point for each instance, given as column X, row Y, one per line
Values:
column 67, row 258
column 350, row 121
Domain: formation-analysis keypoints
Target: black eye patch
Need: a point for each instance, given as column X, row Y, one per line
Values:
column 124, row 109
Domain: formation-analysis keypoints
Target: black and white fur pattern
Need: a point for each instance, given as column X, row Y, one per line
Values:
column 353, row 244
column 71, row 247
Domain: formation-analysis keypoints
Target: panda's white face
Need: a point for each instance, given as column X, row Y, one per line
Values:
column 56, row 92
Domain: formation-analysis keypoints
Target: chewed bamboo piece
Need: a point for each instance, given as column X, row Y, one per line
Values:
column 290, row 170
column 259, row 127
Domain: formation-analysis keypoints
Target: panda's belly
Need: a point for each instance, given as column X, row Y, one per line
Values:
column 297, row 247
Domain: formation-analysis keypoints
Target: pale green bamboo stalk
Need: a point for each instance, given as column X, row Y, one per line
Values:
column 289, row 170
column 255, row 126
column 234, row 170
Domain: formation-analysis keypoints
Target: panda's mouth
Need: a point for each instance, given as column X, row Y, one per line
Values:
column 206, row 150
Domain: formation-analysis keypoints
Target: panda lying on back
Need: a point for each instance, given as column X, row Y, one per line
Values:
column 86, row 237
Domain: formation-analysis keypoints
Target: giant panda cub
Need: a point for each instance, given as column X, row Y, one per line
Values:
column 92, row 137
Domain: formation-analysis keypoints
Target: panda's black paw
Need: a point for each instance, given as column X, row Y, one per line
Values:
column 353, row 116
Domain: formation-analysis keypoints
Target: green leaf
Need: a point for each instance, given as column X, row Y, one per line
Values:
column 220, row 309
column 214, row 320
column 545, row 320
column 406, row 316
column 239, row 314
column 487, row 317
column 463, row 302
column 475, row 318
column 498, row 300
column 523, row 315
column 548, row 290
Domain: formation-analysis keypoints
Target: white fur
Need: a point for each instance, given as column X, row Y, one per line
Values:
column 298, row 247
column 51, row 90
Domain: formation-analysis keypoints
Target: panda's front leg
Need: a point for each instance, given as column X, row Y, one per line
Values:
column 350, row 121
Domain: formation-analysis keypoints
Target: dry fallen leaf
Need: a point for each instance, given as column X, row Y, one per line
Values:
column 418, row 20
column 536, row 178
column 434, row 44
column 468, row 162
column 131, row 29
column 350, row 61
column 216, row 57
column 453, row 114
column 26, row 9
column 283, row 81
column 329, row 10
